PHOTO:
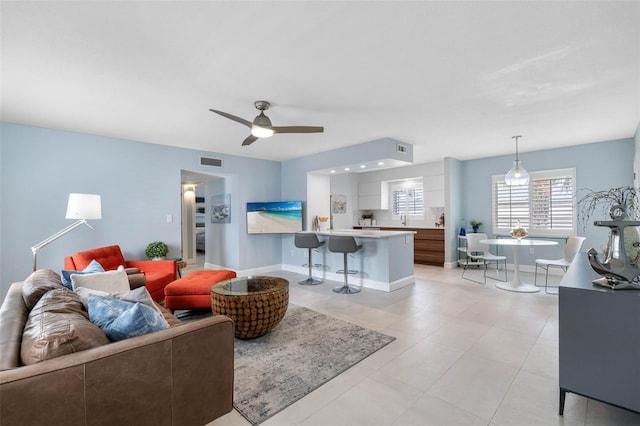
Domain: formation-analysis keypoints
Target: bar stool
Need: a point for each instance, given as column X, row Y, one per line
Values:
column 309, row 241
column 344, row 245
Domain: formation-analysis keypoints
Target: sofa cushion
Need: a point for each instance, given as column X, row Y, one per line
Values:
column 92, row 267
column 110, row 282
column 122, row 319
column 37, row 284
column 58, row 325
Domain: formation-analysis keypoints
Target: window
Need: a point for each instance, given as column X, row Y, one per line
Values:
column 546, row 206
column 407, row 198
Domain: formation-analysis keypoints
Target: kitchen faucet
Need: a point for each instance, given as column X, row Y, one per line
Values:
column 403, row 219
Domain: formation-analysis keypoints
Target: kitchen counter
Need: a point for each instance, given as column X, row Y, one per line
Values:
column 384, row 263
column 366, row 233
column 408, row 228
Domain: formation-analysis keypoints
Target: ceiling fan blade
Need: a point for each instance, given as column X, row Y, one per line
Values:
column 297, row 129
column 232, row 117
column 249, row 140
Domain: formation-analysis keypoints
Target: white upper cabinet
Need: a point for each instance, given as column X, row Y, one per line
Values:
column 373, row 196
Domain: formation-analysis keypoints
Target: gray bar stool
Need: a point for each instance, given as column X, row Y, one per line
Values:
column 344, row 245
column 309, row 241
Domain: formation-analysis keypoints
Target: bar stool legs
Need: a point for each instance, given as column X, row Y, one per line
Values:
column 346, row 288
column 309, row 241
column 310, row 280
column 345, row 245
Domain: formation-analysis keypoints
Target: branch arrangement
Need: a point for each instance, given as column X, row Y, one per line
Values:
column 625, row 196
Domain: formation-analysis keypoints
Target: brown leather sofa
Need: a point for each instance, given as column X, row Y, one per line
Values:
column 182, row 375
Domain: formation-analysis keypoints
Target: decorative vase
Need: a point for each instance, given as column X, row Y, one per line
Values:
column 323, row 226
column 475, row 228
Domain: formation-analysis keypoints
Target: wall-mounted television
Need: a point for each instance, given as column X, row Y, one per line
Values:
column 274, row 217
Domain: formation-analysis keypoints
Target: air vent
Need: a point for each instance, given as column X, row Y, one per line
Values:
column 401, row 148
column 213, row 162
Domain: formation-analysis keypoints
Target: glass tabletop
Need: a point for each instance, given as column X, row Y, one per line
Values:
column 253, row 285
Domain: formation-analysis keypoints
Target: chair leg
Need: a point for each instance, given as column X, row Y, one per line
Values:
column 535, row 276
column 498, row 272
column 547, row 278
column 310, row 280
column 346, row 288
column 475, row 281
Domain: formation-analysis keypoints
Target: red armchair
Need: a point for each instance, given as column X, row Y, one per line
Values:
column 158, row 273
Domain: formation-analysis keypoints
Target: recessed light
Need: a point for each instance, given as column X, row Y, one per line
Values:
column 346, row 169
column 332, row 171
column 362, row 166
column 380, row 163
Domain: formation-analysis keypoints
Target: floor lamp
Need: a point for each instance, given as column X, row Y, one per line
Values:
column 81, row 207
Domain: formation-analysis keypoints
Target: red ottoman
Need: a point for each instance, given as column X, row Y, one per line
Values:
column 194, row 290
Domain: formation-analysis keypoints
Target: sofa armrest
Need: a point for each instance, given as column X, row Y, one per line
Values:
column 185, row 374
column 13, row 316
column 165, row 266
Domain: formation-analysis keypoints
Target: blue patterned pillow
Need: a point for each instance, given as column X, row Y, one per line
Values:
column 121, row 319
column 92, row 267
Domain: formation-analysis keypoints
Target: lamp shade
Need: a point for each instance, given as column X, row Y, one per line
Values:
column 517, row 175
column 84, row 206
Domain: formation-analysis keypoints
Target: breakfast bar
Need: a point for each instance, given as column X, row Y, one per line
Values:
column 384, row 263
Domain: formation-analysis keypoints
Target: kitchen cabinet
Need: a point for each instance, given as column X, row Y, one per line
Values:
column 428, row 246
column 373, row 196
column 598, row 337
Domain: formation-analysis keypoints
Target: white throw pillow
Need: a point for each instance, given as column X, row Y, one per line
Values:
column 109, row 282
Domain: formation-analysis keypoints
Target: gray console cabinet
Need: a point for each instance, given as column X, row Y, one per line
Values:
column 599, row 339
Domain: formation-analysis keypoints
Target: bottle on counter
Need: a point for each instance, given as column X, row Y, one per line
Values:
column 463, row 229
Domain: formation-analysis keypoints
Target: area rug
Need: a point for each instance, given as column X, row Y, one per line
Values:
column 306, row 350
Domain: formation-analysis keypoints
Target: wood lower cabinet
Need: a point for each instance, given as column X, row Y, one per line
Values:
column 428, row 245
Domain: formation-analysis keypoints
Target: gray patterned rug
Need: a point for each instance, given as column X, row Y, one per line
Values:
column 306, row 350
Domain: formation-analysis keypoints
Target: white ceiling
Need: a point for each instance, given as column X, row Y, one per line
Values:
column 455, row 79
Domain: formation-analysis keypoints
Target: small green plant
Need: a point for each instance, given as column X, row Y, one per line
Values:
column 475, row 224
column 156, row 249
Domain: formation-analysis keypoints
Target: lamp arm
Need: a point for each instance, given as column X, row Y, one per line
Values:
column 55, row 236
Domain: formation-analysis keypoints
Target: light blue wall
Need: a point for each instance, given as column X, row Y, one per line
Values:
column 139, row 184
column 453, row 208
column 599, row 166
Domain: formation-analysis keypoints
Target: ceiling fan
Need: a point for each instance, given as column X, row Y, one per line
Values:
column 261, row 126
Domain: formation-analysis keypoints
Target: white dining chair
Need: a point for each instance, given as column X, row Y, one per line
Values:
column 479, row 252
column 570, row 250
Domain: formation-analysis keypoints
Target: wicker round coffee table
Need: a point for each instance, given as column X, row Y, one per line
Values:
column 255, row 304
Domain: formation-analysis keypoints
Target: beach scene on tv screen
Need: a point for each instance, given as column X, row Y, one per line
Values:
column 274, row 217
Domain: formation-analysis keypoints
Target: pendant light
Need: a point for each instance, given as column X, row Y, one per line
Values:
column 517, row 175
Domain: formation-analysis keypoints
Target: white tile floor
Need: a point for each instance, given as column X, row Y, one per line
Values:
column 464, row 354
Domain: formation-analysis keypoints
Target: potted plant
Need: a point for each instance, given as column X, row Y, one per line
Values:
column 475, row 225
column 156, row 250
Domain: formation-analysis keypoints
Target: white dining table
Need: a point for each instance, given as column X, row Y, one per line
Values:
column 516, row 284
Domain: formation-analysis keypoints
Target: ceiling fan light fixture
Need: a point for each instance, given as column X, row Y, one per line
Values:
column 261, row 132
column 517, row 175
